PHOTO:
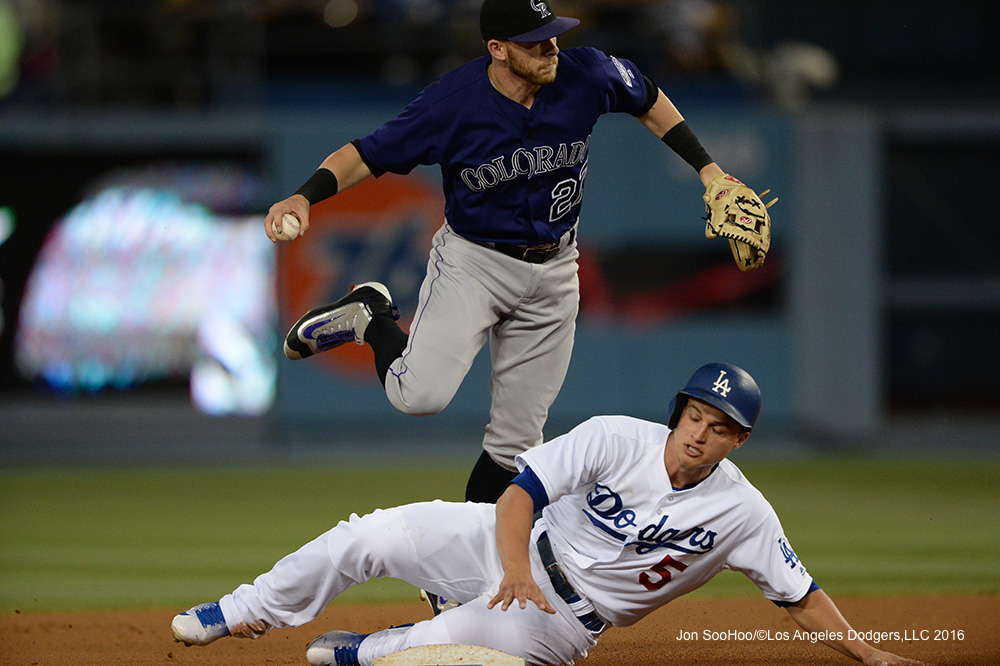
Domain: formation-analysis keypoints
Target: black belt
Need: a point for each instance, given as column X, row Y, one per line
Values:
column 562, row 587
column 537, row 254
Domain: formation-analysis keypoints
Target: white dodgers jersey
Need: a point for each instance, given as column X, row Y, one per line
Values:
column 631, row 543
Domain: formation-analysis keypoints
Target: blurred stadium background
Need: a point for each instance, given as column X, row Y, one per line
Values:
column 142, row 142
column 142, row 306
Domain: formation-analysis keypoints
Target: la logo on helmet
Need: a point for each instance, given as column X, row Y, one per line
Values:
column 540, row 7
column 721, row 384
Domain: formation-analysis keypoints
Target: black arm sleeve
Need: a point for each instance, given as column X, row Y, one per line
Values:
column 652, row 92
column 375, row 172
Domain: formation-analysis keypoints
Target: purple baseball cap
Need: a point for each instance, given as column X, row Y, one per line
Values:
column 522, row 21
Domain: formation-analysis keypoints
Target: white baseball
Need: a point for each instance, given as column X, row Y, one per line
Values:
column 289, row 228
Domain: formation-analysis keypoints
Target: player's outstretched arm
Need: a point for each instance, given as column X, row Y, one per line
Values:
column 733, row 210
column 818, row 614
column 341, row 170
column 514, row 512
column 662, row 117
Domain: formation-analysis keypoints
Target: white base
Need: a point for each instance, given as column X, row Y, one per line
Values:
column 449, row 655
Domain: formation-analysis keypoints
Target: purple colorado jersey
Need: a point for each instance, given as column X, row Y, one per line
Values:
column 510, row 174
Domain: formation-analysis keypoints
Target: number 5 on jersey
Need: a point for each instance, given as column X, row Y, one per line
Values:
column 662, row 575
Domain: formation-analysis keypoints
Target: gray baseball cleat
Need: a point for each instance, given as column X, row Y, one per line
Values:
column 200, row 625
column 438, row 603
column 330, row 326
column 336, row 648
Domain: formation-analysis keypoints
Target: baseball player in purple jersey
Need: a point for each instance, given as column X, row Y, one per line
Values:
column 601, row 527
column 511, row 138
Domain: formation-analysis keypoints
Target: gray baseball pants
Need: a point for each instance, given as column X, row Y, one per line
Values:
column 472, row 293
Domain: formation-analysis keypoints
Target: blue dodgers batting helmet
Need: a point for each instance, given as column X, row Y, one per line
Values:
column 723, row 386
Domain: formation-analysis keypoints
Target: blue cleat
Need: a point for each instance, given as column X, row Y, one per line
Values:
column 200, row 625
column 336, row 648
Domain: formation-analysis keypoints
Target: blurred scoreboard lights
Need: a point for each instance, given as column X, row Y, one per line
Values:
column 138, row 284
column 6, row 229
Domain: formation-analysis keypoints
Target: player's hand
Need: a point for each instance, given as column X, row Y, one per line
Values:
column 520, row 588
column 296, row 205
column 880, row 658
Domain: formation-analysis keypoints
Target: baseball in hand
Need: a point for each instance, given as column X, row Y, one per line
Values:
column 289, row 228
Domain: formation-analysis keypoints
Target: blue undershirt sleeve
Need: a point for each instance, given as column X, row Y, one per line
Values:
column 786, row 604
column 532, row 485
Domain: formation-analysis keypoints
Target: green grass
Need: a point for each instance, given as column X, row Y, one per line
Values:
column 99, row 538
column 82, row 538
column 885, row 528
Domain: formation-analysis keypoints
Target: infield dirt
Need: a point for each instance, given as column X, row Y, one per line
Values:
column 941, row 630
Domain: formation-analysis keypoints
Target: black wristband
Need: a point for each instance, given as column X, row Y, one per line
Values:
column 321, row 185
column 682, row 141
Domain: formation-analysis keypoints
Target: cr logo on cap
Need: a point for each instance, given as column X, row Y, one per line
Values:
column 540, row 7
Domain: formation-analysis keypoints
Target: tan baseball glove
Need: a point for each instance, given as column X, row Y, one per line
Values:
column 735, row 212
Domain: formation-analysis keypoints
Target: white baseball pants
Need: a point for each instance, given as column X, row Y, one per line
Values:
column 443, row 547
column 528, row 313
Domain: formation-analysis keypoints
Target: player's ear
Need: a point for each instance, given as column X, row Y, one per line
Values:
column 741, row 438
column 496, row 49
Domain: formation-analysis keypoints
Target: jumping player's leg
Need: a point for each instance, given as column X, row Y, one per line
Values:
column 388, row 341
column 531, row 353
column 443, row 547
column 488, row 480
column 464, row 294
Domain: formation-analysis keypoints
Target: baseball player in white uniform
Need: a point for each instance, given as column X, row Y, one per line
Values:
column 601, row 526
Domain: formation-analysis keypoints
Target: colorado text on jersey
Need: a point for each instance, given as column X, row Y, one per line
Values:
column 526, row 163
